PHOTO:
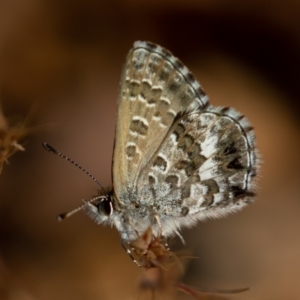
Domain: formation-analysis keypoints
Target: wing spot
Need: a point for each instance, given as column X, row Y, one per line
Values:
column 178, row 132
column 185, row 142
column 160, row 163
column 151, row 180
column 153, row 65
column 139, row 127
column 154, row 95
column 213, row 187
column 165, row 72
column 172, row 180
column 248, row 129
column 230, row 149
column 138, row 59
column 184, row 211
column 151, row 45
column 130, row 151
column 186, row 191
column 208, row 200
column 133, row 88
column 235, row 164
column 240, row 193
column 166, row 53
column 188, row 166
column 225, row 109
column 190, row 77
column 195, row 155
column 202, row 94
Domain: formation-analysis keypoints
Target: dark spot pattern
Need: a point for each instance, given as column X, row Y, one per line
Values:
column 212, row 185
column 230, row 149
column 178, row 131
column 195, row 155
column 172, row 180
column 188, row 166
column 152, row 67
column 191, row 77
column 208, row 200
column 160, row 163
column 151, row 180
column 152, row 45
column 138, row 61
column 184, row 211
column 164, row 72
column 166, row 53
column 173, row 86
column 185, row 191
column 145, row 89
column 139, row 126
column 133, row 88
column 203, row 94
column 235, row 164
column 225, row 109
column 248, row 128
column 151, row 95
column 194, row 179
column 178, row 64
column 186, row 142
column 240, row 193
column 154, row 96
column 130, row 151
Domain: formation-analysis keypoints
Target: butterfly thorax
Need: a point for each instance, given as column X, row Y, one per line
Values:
column 130, row 218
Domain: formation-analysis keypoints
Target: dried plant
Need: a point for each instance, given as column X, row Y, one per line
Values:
column 12, row 133
column 163, row 270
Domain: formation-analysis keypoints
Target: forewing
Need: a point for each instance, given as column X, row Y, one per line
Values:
column 204, row 167
column 156, row 89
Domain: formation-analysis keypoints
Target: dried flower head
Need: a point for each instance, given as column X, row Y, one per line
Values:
column 149, row 251
column 11, row 136
column 163, row 270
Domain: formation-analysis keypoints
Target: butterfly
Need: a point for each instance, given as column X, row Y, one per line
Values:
column 177, row 159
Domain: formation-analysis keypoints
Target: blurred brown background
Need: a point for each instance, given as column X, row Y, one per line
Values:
column 66, row 58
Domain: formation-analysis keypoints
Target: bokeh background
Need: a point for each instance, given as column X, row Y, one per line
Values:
column 64, row 58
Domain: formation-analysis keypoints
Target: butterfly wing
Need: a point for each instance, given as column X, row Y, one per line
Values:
column 204, row 168
column 156, row 89
column 176, row 155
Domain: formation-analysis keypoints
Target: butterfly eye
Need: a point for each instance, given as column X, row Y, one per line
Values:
column 105, row 207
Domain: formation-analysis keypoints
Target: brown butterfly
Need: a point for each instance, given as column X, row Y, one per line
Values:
column 177, row 159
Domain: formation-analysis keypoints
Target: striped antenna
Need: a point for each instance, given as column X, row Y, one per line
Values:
column 54, row 151
column 63, row 216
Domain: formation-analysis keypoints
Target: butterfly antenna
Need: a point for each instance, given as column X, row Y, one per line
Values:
column 63, row 216
column 54, row 151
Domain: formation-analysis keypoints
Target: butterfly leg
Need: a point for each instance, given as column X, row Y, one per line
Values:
column 127, row 247
column 161, row 233
column 180, row 237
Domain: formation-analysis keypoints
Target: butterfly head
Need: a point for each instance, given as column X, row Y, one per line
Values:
column 100, row 208
column 130, row 219
column 105, row 207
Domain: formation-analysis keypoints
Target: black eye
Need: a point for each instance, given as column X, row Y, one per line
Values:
column 105, row 207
